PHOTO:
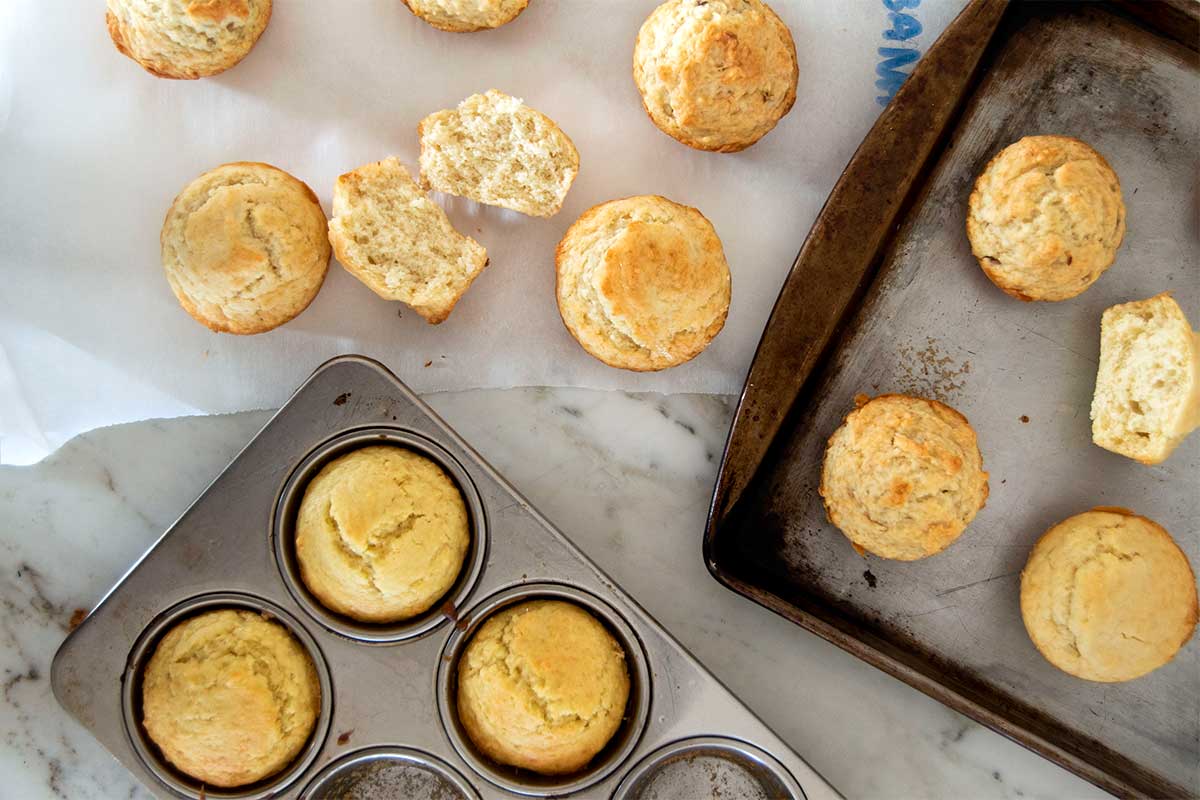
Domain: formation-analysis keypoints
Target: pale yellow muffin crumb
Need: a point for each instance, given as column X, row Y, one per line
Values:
column 1147, row 397
column 399, row 243
column 496, row 150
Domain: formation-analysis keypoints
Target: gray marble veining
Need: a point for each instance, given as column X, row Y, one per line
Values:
column 626, row 476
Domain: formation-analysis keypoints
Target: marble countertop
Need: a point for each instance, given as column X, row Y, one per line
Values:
column 627, row 477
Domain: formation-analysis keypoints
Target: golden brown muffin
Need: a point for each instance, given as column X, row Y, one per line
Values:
column 244, row 247
column 465, row 16
column 642, row 282
column 230, row 697
column 1046, row 218
column 715, row 74
column 1108, row 596
column 186, row 39
column 542, row 685
column 381, row 534
column 903, row 476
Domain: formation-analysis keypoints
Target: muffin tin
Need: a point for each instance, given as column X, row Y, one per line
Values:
column 387, row 725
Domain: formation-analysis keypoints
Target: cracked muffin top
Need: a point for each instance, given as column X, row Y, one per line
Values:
column 715, row 74
column 903, row 476
column 542, row 685
column 381, row 534
column 230, row 697
column 1108, row 596
column 1046, row 218
column 245, row 247
column 186, row 39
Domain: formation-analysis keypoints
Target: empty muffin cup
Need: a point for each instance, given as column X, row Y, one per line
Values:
column 134, row 710
column 553, row 780
column 433, row 465
column 382, row 772
column 709, row 766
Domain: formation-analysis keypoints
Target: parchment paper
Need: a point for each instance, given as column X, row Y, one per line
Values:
column 93, row 150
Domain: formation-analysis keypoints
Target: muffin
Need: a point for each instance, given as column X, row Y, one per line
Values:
column 902, row 476
column 642, row 282
column 715, row 74
column 381, row 534
column 1108, row 596
column 1147, row 397
column 399, row 243
column 230, row 697
column 186, row 39
column 465, row 16
column 496, row 150
column 244, row 247
column 543, row 686
column 1046, row 218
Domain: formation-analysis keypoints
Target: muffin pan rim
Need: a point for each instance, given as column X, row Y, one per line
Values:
column 641, row 689
column 143, row 649
column 282, row 534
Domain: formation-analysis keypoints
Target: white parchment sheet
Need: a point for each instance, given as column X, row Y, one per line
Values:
column 93, row 150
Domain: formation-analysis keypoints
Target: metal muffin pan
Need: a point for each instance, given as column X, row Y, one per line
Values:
column 387, row 721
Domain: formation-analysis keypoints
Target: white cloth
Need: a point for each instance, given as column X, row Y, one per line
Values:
column 93, row 149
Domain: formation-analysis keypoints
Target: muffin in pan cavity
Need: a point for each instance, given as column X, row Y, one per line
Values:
column 1046, row 218
column 542, row 685
column 186, row 39
column 902, row 476
column 230, row 697
column 381, row 534
column 1108, row 596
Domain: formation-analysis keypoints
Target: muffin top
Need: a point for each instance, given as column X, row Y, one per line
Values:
column 903, row 476
column 245, row 247
column 642, row 282
column 381, row 534
column 230, row 697
column 1108, row 596
column 715, row 74
column 542, row 685
column 464, row 16
column 186, row 38
column 1046, row 218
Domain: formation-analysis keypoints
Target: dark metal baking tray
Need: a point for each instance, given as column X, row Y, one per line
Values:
column 388, row 723
column 886, row 297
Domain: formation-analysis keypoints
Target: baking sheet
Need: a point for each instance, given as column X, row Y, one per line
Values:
column 93, row 150
column 1023, row 374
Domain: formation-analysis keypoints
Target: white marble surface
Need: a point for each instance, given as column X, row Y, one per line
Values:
column 626, row 476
